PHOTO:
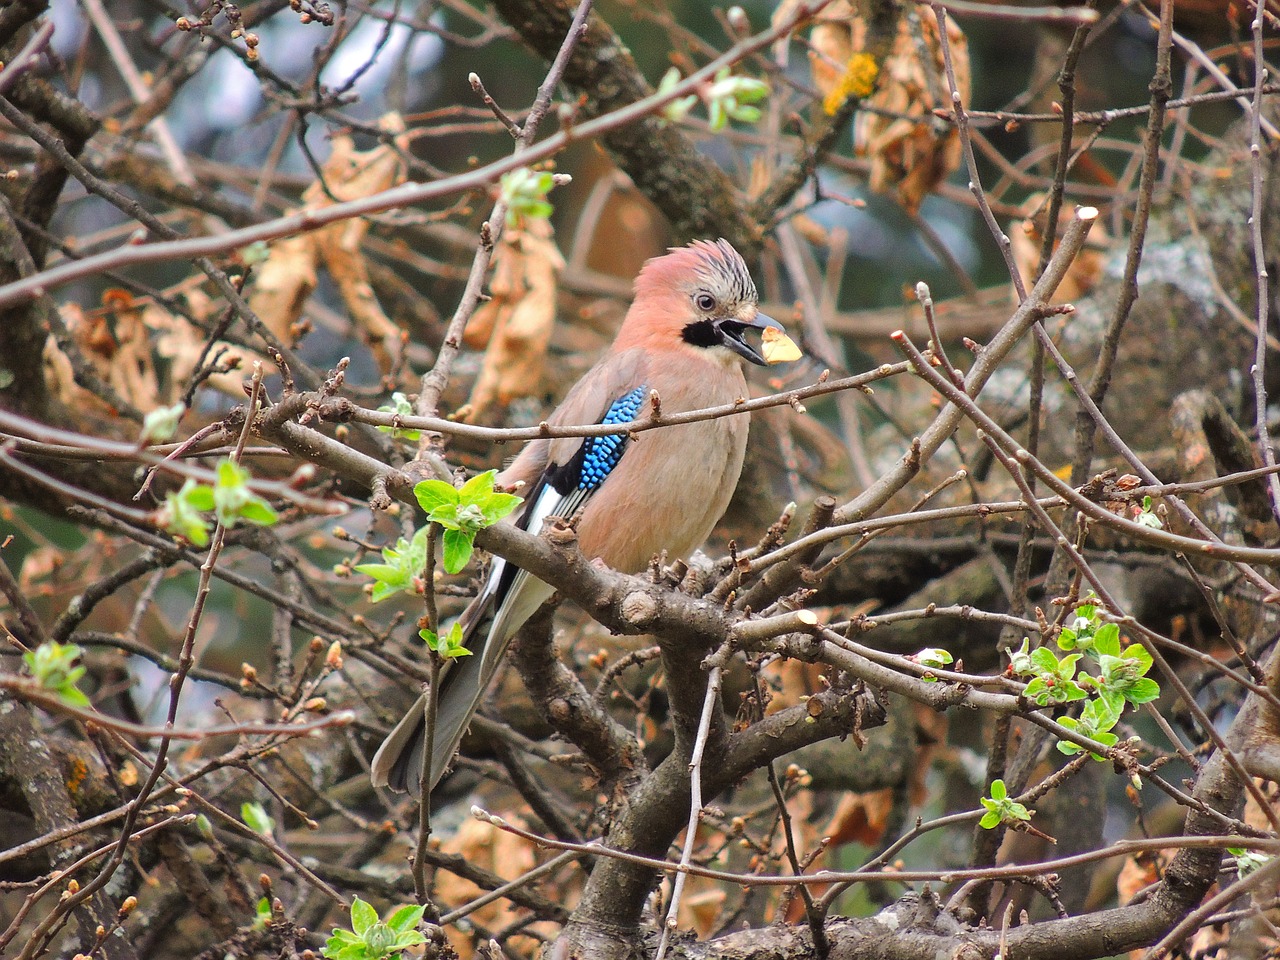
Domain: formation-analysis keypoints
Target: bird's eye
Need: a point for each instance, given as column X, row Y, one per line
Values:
column 706, row 302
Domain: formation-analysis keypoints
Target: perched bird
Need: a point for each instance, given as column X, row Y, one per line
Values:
column 684, row 339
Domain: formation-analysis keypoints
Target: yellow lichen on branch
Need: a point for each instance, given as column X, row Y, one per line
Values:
column 910, row 150
column 858, row 80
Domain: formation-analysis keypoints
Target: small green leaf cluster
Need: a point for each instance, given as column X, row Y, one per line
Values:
column 53, row 665
column 1147, row 517
column 1000, row 809
column 402, row 568
column 1121, row 678
column 262, row 913
column 525, row 193
column 402, row 406
column 371, row 938
column 1247, row 861
column 935, row 657
column 463, row 512
column 1053, row 680
column 727, row 98
column 229, row 499
column 1096, row 720
column 450, row 646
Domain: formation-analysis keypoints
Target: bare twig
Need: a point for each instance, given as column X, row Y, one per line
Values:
column 695, row 809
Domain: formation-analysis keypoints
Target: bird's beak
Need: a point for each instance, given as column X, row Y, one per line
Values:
column 775, row 345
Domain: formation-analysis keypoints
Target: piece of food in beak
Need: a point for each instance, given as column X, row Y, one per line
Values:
column 777, row 347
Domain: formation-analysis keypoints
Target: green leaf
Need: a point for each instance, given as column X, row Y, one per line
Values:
column 433, row 494
column 1106, row 640
column 454, row 648
column 450, row 646
column 198, row 495
column 499, row 505
column 716, row 115
column 446, row 515
column 1046, row 662
column 405, row 919
column 1247, row 861
column 1111, row 700
column 182, row 513
column 457, row 549
column 525, row 193
column 53, row 666
column 477, row 488
column 71, row 695
column 1143, row 691
column 1000, row 809
column 1017, row 811
column 1099, row 715
column 259, row 512
column 934, row 657
column 234, row 501
column 256, row 818
column 363, row 917
column 1141, row 654
column 257, row 252
column 679, row 108
column 344, row 945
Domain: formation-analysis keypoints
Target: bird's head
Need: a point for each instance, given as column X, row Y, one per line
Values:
column 702, row 296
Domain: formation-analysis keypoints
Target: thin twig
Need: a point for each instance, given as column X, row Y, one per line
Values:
column 695, row 809
column 1262, row 299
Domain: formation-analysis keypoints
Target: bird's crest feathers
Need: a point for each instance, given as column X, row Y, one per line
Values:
column 711, row 263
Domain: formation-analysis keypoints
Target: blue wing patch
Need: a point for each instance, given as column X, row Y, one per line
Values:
column 601, row 454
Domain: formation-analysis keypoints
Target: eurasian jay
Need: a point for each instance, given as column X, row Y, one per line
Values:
column 634, row 497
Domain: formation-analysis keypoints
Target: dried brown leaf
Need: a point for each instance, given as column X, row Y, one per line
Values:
column 282, row 284
column 861, row 818
column 519, row 317
column 181, row 345
column 113, row 339
column 289, row 275
column 910, row 149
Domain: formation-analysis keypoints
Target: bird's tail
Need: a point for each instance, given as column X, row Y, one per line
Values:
column 398, row 762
